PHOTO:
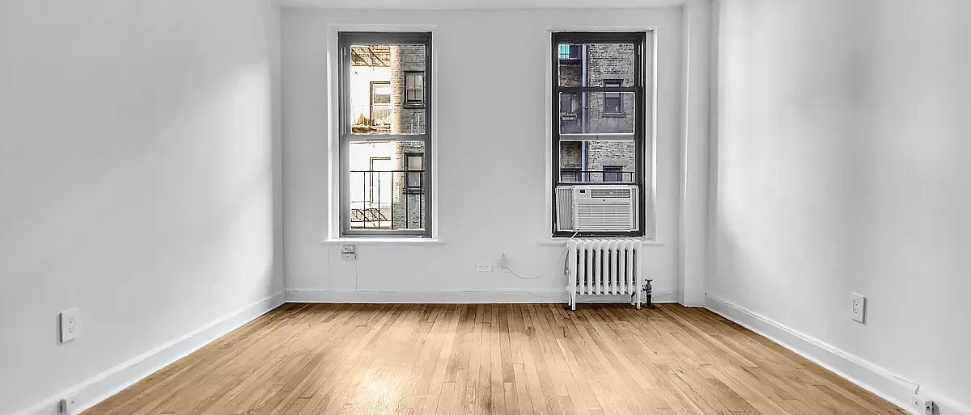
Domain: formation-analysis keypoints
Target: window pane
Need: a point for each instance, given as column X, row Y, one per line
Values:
column 414, row 88
column 589, row 64
column 583, row 114
column 386, row 185
column 385, row 67
column 598, row 161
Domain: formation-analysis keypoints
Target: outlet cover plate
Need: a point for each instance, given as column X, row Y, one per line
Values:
column 858, row 310
column 483, row 266
column 70, row 324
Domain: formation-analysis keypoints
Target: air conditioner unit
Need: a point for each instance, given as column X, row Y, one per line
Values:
column 593, row 208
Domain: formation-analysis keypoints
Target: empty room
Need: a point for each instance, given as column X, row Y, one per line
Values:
column 508, row 207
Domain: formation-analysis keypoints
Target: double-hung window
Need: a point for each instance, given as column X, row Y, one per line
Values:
column 385, row 133
column 599, row 115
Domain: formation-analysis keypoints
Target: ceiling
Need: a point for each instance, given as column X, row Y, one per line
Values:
column 480, row 4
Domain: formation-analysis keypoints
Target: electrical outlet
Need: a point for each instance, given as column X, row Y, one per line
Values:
column 70, row 324
column 924, row 406
column 483, row 266
column 348, row 252
column 503, row 263
column 858, row 310
column 67, row 405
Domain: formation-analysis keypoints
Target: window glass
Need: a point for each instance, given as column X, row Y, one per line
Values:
column 385, row 183
column 593, row 113
column 384, row 83
column 590, row 63
column 597, row 161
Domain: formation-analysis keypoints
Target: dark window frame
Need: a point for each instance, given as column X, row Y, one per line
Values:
column 639, row 39
column 408, row 102
column 345, row 40
column 408, row 188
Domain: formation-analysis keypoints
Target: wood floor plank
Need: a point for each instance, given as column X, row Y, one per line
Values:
column 503, row 359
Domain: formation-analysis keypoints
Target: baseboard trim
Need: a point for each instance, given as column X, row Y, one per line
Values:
column 114, row 380
column 440, row 297
column 861, row 372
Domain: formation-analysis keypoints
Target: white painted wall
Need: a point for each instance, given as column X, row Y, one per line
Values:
column 843, row 161
column 137, row 147
column 490, row 66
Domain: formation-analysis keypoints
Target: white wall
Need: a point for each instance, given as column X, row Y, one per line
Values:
column 137, row 145
column 843, row 165
column 491, row 70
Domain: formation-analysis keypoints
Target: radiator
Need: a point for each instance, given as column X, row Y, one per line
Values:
column 604, row 267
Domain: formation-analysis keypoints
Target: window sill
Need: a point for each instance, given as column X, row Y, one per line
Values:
column 562, row 241
column 382, row 241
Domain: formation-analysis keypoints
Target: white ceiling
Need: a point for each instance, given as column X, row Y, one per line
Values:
column 481, row 4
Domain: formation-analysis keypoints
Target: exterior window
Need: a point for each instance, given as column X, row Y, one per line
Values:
column 613, row 173
column 598, row 116
column 414, row 88
column 380, row 103
column 569, row 51
column 613, row 104
column 415, row 171
column 385, row 140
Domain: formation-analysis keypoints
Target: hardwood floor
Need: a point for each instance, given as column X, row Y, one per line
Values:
column 492, row 359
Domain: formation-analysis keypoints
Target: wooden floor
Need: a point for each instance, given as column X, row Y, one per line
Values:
column 492, row 359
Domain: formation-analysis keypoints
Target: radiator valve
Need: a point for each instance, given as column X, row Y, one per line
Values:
column 648, row 290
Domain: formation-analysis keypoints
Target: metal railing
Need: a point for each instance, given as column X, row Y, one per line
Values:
column 387, row 199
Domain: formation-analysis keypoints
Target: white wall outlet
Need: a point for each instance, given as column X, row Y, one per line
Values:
column 858, row 310
column 483, row 266
column 503, row 263
column 348, row 252
column 67, row 405
column 924, row 406
column 70, row 324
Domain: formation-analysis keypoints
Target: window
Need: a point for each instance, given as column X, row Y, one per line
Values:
column 599, row 114
column 414, row 88
column 613, row 173
column 413, row 166
column 385, row 137
column 613, row 104
column 380, row 103
column 569, row 52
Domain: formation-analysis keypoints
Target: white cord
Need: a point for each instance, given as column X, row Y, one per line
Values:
column 559, row 259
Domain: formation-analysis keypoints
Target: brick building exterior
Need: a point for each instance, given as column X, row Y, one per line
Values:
column 596, row 129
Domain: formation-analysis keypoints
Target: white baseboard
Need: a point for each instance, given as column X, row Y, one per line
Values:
column 863, row 373
column 440, row 297
column 107, row 383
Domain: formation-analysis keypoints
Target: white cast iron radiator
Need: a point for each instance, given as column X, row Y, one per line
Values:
column 602, row 267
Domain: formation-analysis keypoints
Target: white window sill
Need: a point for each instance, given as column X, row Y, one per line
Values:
column 562, row 241
column 382, row 241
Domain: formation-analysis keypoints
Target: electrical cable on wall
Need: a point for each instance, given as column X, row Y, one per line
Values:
column 504, row 263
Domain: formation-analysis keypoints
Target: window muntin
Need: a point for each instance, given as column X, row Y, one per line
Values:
column 598, row 114
column 385, row 137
